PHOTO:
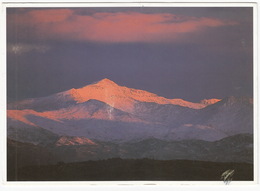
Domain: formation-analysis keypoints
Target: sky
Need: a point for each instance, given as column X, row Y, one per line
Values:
column 191, row 53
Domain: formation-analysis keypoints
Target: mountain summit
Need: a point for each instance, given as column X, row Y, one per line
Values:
column 106, row 82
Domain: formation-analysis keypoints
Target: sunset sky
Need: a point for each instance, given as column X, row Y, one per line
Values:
column 188, row 53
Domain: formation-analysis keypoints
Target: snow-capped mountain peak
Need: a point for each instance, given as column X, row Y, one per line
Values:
column 106, row 83
column 107, row 111
column 125, row 98
column 107, row 91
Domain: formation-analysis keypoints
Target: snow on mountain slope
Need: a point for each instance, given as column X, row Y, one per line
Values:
column 69, row 140
column 102, row 130
column 166, row 114
column 209, row 101
column 124, row 98
column 93, row 119
column 20, row 115
column 109, row 112
column 195, row 132
column 23, row 132
column 91, row 109
column 96, row 120
column 52, row 102
column 106, row 91
column 232, row 115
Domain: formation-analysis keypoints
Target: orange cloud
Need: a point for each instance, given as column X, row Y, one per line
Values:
column 50, row 15
column 114, row 27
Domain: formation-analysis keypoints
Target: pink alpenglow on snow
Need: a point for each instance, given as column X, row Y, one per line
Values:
column 124, row 98
column 67, row 140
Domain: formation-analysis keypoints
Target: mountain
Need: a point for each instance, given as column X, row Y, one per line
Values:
column 104, row 121
column 105, row 111
column 237, row 148
column 91, row 109
column 106, row 91
column 232, row 115
column 19, row 131
column 52, row 102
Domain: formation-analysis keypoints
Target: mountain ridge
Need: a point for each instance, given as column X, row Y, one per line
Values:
column 108, row 112
column 107, row 91
column 237, row 148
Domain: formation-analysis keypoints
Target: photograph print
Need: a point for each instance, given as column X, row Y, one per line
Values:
column 130, row 94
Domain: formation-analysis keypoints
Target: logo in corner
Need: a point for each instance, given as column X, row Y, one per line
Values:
column 227, row 176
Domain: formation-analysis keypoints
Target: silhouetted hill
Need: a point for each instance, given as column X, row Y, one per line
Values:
column 130, row 169
column 24, row 154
